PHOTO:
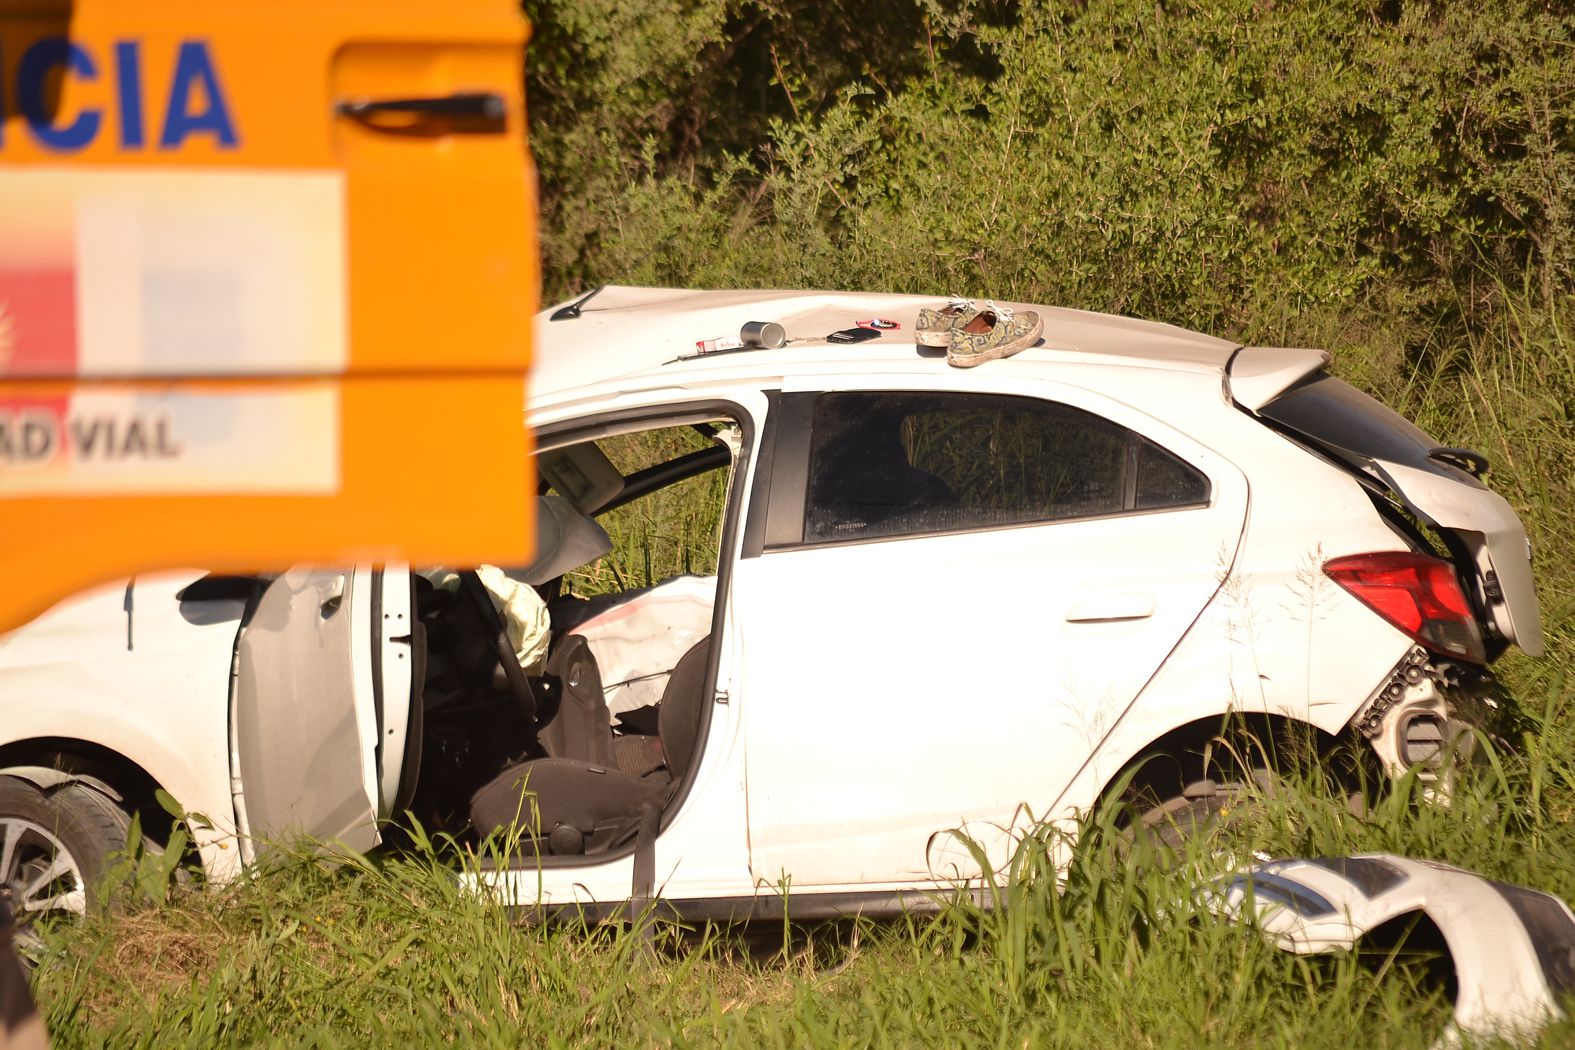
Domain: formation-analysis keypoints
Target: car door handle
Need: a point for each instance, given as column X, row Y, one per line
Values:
column 334, row 599
column 474, row 111
column 1112, row 608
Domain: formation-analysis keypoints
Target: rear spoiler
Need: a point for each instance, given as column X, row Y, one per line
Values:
column 1257, row 375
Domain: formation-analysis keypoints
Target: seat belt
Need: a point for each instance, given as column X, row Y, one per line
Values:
column 643, row 892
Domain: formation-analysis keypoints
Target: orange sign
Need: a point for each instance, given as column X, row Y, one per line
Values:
column 267, row 274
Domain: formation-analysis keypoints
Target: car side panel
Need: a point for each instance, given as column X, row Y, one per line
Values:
column 393, row 631
column 140, row 679
column 898, row 688
column 1279, row 637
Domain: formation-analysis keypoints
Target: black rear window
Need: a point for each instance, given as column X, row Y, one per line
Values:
column 1340, row 419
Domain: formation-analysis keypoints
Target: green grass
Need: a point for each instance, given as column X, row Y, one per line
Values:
column 388, row 950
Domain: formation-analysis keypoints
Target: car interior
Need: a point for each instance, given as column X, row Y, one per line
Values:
column 628, row 533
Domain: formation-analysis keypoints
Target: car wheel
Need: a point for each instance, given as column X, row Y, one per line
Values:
column 1204, row 811
column 55, row 850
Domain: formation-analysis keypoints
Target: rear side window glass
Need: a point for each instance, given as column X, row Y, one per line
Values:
column 1341, row 419
column 1165, row 481
column 895, row 463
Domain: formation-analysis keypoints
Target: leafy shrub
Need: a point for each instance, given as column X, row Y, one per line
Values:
column 1232, row 165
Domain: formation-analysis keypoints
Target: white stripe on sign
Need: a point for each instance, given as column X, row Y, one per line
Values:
column 174, row 273
column 131, row 443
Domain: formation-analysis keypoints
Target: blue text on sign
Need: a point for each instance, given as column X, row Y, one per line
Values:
column 194, row 105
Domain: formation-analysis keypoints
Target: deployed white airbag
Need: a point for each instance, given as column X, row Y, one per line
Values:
column 565, row 540
column 639, row 638
column 524, row 613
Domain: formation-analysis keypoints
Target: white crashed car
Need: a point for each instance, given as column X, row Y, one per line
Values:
column 931, row 599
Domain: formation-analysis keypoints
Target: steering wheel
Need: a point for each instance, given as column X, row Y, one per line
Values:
column 471, row 586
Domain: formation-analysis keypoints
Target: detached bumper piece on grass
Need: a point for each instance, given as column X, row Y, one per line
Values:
column 1512, row 949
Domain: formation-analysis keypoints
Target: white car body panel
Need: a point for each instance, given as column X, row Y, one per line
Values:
column 1258, row 374
column 638, row 331
column 395, row 666
column 141, row 682
column 1055, row 653
column 304, row 724
column 864, row 706
column 1509, row 985
column 854, row 766
column 1279, row 637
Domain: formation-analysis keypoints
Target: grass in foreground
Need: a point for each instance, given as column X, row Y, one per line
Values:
column 390, row 950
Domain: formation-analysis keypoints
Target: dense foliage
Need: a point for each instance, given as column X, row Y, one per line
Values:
column 1242, row 166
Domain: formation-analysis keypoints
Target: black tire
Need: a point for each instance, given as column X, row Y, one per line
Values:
column 57, row 847
column 1203, row 812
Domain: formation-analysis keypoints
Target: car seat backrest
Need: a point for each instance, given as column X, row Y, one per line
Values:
column 582, row 728
column 683, row 704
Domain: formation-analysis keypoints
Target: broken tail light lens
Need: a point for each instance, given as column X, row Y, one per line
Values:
column 1418, row 594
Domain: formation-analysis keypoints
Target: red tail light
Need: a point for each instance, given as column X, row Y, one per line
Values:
column 1418, row 594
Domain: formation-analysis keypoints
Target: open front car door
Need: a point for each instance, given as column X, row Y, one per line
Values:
column 303, row 718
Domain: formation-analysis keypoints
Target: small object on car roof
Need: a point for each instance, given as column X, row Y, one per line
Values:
column 852, row 335
column 880, row 324
column 722, row 344
column 768, row 335
column 754, row 335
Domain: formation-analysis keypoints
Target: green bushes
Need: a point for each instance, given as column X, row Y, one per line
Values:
column 1234, row 165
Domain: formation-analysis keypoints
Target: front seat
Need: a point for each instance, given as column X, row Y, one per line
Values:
column 582, row 727
column 578, row 806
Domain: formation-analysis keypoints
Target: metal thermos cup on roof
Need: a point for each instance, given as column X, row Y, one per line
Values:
column 767, row 335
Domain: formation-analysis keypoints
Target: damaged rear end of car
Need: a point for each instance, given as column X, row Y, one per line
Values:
column 1461, row 587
